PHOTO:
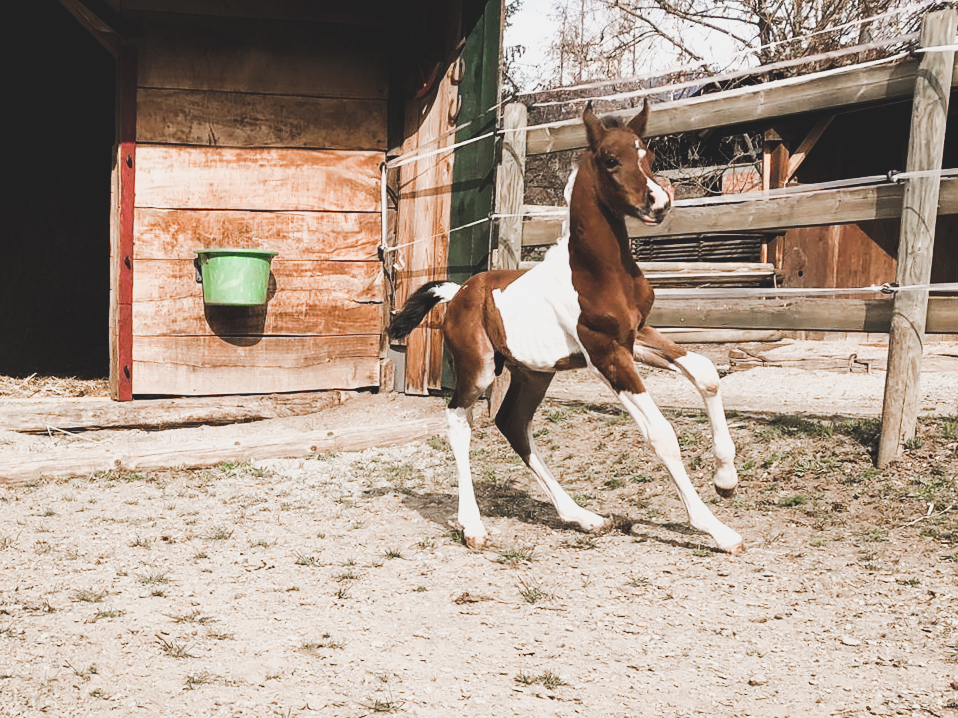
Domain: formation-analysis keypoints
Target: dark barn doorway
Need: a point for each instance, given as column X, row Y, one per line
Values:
column 55, row 228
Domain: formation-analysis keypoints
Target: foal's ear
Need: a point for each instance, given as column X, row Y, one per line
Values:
column 594, row 128
column 637, row 124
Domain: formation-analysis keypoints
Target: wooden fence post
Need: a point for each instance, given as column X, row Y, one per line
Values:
column 916, row 244
column 510, row 194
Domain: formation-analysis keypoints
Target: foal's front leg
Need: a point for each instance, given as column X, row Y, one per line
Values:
column 615, row 365
column 655, row 350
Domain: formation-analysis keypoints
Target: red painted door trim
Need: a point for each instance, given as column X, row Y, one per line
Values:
column 123, row 372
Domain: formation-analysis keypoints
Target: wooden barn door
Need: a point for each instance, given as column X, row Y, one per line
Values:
column 474, row 172
column 439, row 196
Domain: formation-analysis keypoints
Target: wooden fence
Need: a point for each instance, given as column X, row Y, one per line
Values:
column 917, row 200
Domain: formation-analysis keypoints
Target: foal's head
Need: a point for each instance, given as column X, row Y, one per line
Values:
column 623, row 167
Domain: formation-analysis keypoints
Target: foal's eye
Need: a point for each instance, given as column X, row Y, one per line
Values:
column 610, row 162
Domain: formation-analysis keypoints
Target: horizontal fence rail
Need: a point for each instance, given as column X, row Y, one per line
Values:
column 882, row 81
column 732, row 214
column 796, row 314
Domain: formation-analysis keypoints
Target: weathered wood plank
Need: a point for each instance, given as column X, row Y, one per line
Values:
column 366, row 12
column 175, row 278
column 18, row 470
column 271, row 57
column 331, row 236
column 224, row 119
column 205, row 365
column 820, row 91
column 511, row 185
column 315, row 298
column 806, row 313
column 806, row 209
column 175, row 177
column 38, row 415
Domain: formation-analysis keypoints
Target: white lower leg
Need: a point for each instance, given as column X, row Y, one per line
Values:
column 566, row 506
column 460, row 435
column 701, row 372
column 660, row 434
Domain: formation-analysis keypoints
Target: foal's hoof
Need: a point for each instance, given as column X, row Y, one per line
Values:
column 736, row 550
column 605, row 527
column 477, row 543
column 725, row 493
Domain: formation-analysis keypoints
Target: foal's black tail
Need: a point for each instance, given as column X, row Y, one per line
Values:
column 419, row 305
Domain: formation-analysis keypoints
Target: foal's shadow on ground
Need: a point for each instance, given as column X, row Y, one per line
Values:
column 509, row 502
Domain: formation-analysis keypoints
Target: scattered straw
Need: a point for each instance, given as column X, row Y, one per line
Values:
column 52, row 387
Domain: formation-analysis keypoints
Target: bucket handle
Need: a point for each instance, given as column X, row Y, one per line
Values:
column 199, row 272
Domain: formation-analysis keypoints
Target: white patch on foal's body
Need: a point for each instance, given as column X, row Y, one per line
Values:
column 540, row 311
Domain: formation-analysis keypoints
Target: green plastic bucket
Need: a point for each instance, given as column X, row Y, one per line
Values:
column 234, row 276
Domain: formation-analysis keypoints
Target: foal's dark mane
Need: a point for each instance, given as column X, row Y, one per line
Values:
column 612, row 123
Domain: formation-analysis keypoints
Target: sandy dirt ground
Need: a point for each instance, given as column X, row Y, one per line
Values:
column 337, row 584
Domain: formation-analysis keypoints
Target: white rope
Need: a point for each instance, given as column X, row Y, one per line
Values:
column 771, row 67
column 415, row 155
column 384, row 228
column 914, row 174
column 461, row 227
column 690, row 66
column 936, row 48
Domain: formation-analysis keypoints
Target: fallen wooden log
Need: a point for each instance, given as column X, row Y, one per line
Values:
column 17, row 471
column 821, row 356
column 720, row 336
column 743, row 360
column 39, row 415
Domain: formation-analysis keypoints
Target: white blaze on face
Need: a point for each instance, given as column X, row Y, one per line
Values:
column 660, row 198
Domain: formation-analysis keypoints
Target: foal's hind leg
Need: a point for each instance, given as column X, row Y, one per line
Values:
column 514, row 419
column 614, row 363
column 654, row 349
column 475, row 371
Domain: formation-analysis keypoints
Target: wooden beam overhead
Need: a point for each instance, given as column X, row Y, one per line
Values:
column 856, row 85
column 814, row 135
column 101, row 21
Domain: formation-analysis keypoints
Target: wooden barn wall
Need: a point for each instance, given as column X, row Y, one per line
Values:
column 264, row 133
column 864, row 254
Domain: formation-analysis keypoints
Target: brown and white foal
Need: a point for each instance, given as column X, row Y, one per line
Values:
column 584, row 305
